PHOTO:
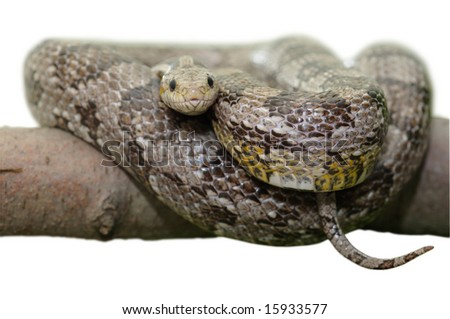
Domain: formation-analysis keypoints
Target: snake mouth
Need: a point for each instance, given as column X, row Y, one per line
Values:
column 193, row 106
column 196, row 102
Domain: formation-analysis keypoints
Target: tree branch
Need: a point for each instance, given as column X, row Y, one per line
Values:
column 52, row 183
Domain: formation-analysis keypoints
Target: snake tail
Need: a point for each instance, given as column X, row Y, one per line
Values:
column 364, row 129
column 327, row 210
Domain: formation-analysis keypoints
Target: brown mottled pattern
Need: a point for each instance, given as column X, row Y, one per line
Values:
column 106, row 95
column 319, row 141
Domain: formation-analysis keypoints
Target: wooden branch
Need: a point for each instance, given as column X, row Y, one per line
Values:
column 52, row 183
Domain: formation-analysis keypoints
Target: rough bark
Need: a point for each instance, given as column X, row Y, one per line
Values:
column 52, row 183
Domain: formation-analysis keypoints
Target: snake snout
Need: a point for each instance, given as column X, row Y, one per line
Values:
column 197, row 102
column 194, row 95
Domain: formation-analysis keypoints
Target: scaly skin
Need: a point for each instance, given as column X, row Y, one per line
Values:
column 109, row 98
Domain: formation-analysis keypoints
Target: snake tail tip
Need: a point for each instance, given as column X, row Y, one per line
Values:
column 418, row 252
column 395, row 262
column 330, row 224
column 426, row 249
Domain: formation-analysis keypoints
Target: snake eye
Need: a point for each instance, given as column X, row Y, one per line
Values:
column 210, row 82
column 172, row 85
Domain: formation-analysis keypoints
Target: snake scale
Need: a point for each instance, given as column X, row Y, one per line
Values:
column 366, row 125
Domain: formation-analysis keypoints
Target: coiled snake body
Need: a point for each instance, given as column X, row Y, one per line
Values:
column 331, row 118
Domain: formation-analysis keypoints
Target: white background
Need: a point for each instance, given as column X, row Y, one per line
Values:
column 73, row 278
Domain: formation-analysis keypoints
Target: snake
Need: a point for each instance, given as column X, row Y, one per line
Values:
column 187, row 86
column 281, row 143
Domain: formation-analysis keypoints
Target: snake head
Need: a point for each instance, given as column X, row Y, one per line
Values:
column 188, row 87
